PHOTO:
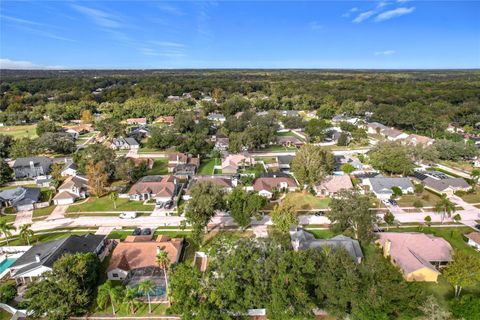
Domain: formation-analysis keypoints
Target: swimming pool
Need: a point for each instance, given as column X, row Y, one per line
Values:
column 6, row 263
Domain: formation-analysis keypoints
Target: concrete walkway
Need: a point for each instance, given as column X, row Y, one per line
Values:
column 105, row 230
column 58, row 212
column 23, row 217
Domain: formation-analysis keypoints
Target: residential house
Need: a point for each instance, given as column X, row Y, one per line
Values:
column 160, row 188
column 418, row 255
column 141, row 121
column 289, row 113
column 332, row 185
column 20, row 198
column 474, row 239
column 222, row 144
column 233, row 162
column 165, row 119
column 290, row 141
column 207, row 99
column 41, row 257
column 139, row 132
column 73, row 188
column 216, row 117
column 375, row 127
column 446, row 186
column 174, row 98
column 382, row 186
column 415, row 139
column 344, row 159
column 137, row 256
column 182, row 164
column 225, row 182
column 284, row 163
column 78, row 130
column 31, row 167
column 69, row 169
column 270, row 183
column 303, row 240
column 122, row 143
column 393, row 134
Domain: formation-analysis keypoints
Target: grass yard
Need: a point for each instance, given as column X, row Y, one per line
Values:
column 460, row 165
column 105, row 204
column 20, row 131
column 278, row 148
column 207, row 166
column 8, row 217
column 48, row 236
column 307, row 201
column 158, row 309
column 159, row 167
column 321, row 234
column 472, row 197
column 428, row 199
column 43, row 211
column 267, row 160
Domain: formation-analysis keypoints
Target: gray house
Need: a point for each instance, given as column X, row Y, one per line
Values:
column 31, row 167
column 20, row 198
column 382, row 186
column 302, row 240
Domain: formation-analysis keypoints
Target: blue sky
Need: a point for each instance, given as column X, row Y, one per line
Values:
column 240, row 34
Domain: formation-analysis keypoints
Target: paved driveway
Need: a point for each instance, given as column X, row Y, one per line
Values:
column 58, row 212
column 23, row 217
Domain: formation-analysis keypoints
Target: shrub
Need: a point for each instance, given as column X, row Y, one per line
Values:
column 419, row 188
column 8, row 291
column 397, row 192
column 418, row 204
column 467, row 307
column 428, row 220
column 460, row 193
column 457, row 217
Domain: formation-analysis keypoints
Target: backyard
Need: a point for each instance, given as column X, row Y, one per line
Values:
column 20, row 131
column 207, row 166
column 307, row 201
column 159, row 167
column 94, row 204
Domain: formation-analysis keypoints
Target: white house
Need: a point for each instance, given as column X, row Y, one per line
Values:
column 73, row 188
column 382, row 186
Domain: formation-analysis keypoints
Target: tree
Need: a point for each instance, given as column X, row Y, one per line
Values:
column 466, row 307
column 475, row 175
column 391, row 157
column 22, row 147
column 293, row 122
column 428, row 220
column 54, row 142
column 311, row 164
column 110, row 127
column 46, row 126
column 284, row 215
column 108, row 294
column 8, row 291
column 130, row 298
column 445, row 207
column 455, row 151
column 95, row 153
column 26, row 233
column 389, row 219
column 419, row 188
column 463, row 271
column 97, row 178
column 6, row 173
column 114, row 196
column 244, row 205
column 184, row 122
column 6, row 143
column 316, row 128
column 206, row 199
column 350, row 211
column 163, row 263
column 147, row 287
column 457, row 218
column 347, row 168
column 162, row 138
column 433, row 311
column 396, row 192
column 6, row 229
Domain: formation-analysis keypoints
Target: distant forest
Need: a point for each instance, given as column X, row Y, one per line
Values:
column 416, row 101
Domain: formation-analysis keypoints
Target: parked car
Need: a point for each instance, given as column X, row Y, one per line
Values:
column 319, row 213
column 137, row 232
column 146, row 232
column 128, row 215
column 392, row 202
column 477, row 227
column 168, row 204
column 159, row 205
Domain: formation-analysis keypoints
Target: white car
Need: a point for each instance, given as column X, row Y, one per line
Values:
column 128, row 215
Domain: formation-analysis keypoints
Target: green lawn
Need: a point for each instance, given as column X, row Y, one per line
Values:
column 307, row 201
column 207, row 165
column 321, row 234
column 48, row 237
column 267, row 160
column 8, row 217
column 20, row 131
column 159, row 167
column 278, row 148
column 460, row 165
column 4, row 315
column 105, row 204
column 428, row 199
column 43, row 211
column 472, row 197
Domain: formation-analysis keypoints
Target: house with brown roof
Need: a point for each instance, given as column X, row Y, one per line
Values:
column 137, row 256
column 419, row 256
column 160, row 188
column 137, row 121
column 290, row 141
column 77, row 130
column 233, row 162
column 415, row 139
column 331, row 185
column 474, row 239
column 182, row 164
column 393, row 134
column 268, row 184
column 73, row 188
column 165, row 119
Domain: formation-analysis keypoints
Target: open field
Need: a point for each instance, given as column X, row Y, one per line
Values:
column 307, row 201
column 20, row 131
column 105, row 204
column 472, row 197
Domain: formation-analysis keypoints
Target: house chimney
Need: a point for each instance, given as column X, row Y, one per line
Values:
column 386, row 248
column 274, row 175
column 37, row 257
column 32, row 165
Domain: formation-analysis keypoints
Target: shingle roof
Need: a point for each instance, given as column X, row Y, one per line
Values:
column 444, row 184
column 44, row 162
column 20, row 195
column 157, row 185
column 334, row 184
column 384, row 184
column 269, row 183
column 474, row 236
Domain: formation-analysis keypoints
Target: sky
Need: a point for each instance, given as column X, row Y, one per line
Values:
column 399, row 34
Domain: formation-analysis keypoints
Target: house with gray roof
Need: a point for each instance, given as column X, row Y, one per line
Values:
column 20, row 198
column 31, row 167
column 303, row 240
column 40, row 258
column 446, row 186
column 122, row 143
column 382, row 186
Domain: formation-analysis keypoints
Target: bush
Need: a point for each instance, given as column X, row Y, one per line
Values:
column 460, row 193
column 8, row 291
column 397, row 192
column 467, row 307
column 419, row 188
column 457, row 217
column 418, row 204
column 428, row 220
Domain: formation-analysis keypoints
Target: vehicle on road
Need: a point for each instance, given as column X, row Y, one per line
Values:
column 146, row 232
column 137, row 232
column 128, row 215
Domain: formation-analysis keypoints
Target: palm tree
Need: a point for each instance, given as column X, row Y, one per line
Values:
column 445, row 207
column 146, row 287
column 114, row 197
column 130, row 298
column 26, row 233
column 163, row 262
column 108, row 293
column 6, row 229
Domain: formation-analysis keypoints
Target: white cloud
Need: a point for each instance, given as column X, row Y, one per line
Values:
column 171, row 9
column 385, row 53
column 99, row 17
column 23, row 64
column 394, row 13
column 168, row 44
column 403, row 1
column 363, row 16
column 349, row 12
column 315, row 25
column 20, row 20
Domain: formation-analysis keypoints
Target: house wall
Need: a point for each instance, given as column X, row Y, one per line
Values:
column 63, row 201
column 473, row 244
column 117, row 274
column 422, row 274
column 265, row 193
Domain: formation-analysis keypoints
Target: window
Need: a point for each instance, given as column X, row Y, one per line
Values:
column 115, row 275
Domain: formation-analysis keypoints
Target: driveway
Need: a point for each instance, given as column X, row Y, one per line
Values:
column 23, row 217
column 58, row 212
